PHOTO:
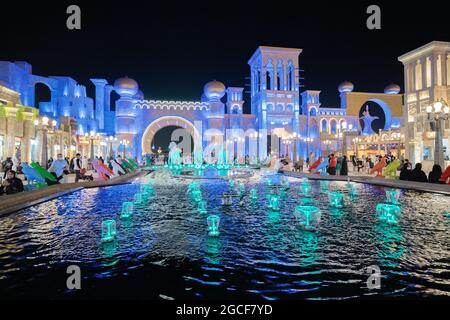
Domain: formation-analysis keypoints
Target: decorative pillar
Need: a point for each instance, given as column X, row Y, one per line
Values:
column 438, row 150
column 100, row 101
column 44, row 147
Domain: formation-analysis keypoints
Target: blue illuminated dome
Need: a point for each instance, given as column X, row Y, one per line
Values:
column 214, row 90
column 126, row 86
column 345, row 86
column 392, row 89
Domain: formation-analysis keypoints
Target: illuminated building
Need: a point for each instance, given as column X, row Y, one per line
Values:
column 284, row 120
column 427, row 80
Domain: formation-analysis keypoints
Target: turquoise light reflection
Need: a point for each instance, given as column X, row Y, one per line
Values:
column 273, row 216
column 391, row 249
column 213, row 255
column 306, row 243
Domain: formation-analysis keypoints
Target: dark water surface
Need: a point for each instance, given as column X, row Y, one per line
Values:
column 164, row 250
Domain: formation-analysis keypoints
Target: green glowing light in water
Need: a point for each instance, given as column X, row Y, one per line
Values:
column 241, row 188
column 108, row 230
column 138, row 198
column 273, row 216
column 391, row 248
column 324, row 185
column 307, row 217
column 231, row 184
column 388, row 212
column 274, row 202
column 392, row 196
column 127, row 210
column 352, row 190
column 202, row 207
column 306, row 188
column 213, row 250
column 269, row 181
column 307, row 244
column 146, row 189
column 253, row 194
column 192, row 187
column 197, row 195
column 213, row 222
column 336, row 199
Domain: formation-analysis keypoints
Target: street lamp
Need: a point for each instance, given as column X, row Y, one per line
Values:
column 345, row 129
column 355, row 142
column 110, row 141
column 91, row 143
column 308, row 140
column 440, row 112
column 295, row 137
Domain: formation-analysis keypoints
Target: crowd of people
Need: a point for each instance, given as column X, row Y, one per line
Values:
column 338, row 165
column 60, row 168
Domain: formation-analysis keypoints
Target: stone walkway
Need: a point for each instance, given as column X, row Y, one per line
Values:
column 411, row 185
column 15, row 202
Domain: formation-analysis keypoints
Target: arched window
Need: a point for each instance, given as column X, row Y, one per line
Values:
column 269, row 76
column 313, row 112
column 235, row 110
column 42, row 93
column 280, row 107
column 324, row 125
column 290, row 76
column 268, row 81
column 280, row 76
column 333, row 126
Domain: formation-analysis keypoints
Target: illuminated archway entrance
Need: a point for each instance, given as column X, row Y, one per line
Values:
column 169, row 121
column 164, row 136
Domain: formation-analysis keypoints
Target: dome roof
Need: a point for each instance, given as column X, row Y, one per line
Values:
column 214, row 90
column 126, row 86
column 345, row 86
column 139, row 95
column 392, row 89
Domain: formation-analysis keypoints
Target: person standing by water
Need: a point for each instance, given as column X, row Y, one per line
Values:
column 77, row 166
column 344, row 166
column 332, row 165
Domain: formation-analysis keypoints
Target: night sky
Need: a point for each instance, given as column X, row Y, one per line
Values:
column 172, row 50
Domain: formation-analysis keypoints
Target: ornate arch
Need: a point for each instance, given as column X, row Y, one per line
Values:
column 166, row 121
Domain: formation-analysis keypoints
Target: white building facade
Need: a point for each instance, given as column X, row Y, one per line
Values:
column 427, row 79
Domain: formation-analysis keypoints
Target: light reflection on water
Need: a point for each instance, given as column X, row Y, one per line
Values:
column 164, row 247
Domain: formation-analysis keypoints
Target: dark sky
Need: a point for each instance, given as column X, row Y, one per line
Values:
column 172, row 50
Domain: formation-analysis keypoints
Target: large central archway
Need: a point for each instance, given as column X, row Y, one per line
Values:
column 162, row 122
